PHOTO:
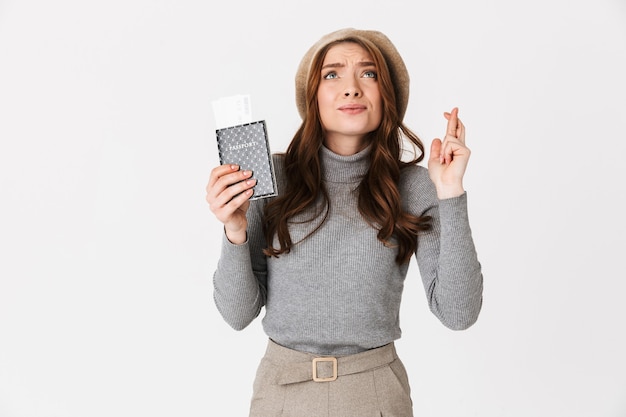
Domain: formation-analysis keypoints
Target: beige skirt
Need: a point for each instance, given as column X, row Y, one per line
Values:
column 290, row 383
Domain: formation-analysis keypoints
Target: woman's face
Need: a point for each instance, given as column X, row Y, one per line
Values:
column 348, row 98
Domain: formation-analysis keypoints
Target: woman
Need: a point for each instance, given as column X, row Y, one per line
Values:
column 328, row 256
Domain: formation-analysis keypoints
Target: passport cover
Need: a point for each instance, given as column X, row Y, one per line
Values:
column 247, row 145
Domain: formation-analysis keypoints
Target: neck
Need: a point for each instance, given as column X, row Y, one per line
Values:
column 346, row 145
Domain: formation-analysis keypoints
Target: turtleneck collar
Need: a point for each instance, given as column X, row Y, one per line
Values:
column 344, row 169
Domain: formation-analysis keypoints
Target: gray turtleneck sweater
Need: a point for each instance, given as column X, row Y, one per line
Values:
column 338, row 291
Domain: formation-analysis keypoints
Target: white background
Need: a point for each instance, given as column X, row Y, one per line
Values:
column 107, row 246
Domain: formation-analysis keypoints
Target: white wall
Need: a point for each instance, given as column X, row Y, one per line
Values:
column 108, row 247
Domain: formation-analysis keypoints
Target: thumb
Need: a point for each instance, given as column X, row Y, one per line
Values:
column 435, row 150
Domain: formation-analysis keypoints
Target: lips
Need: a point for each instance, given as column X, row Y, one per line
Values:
column 352, row 108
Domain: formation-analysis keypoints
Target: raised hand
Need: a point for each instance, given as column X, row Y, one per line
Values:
column 448, row 158
column 228, row 194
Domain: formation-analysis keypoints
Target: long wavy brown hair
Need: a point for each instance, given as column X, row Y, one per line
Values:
column 379, row 199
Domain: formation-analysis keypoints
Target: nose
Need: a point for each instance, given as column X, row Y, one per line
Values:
column 351, row 87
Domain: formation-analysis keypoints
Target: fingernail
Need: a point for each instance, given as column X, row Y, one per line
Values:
column 247, row 173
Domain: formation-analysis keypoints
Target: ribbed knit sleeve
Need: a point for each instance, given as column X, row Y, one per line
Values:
column 448, row 262
column 240, row 280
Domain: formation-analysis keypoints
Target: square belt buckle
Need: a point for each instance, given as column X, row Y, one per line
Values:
column 329, row 379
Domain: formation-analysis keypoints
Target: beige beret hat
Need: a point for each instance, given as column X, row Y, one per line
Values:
column 397, row 69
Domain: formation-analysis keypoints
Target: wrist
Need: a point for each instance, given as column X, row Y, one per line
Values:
column 450, row 191
column 238, row 237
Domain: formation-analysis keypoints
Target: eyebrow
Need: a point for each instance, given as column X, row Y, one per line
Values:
column 360, row 64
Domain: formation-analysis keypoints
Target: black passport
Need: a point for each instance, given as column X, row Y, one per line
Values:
column 247, row 145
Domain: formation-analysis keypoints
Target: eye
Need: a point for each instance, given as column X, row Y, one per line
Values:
column 331, row 75
column 370, row 74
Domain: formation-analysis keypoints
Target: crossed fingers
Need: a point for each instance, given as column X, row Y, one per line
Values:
column 455, row 134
